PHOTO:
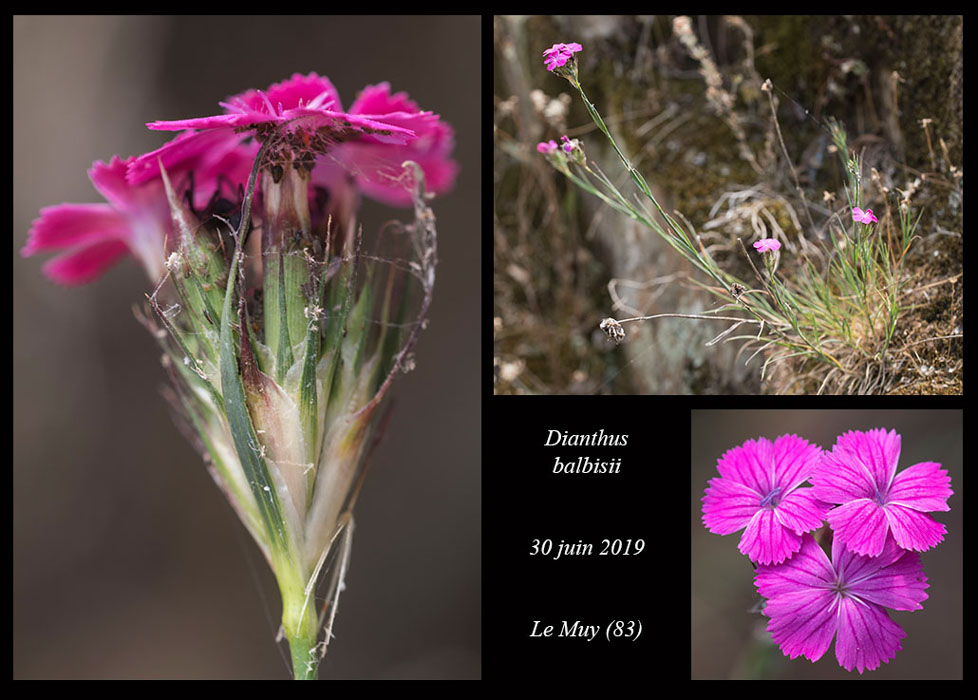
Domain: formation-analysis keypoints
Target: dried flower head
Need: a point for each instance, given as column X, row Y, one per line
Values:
column 614, row 330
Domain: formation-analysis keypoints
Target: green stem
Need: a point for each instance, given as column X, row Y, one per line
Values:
column 305, row 661
column 299, row 620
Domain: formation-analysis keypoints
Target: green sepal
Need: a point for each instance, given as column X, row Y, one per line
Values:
column 186, row 360
column 296, row 276
column 246, row 442
column 308, row 394
column 283, row 357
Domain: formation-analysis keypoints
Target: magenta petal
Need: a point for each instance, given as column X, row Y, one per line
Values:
column 808, row 568
column 801, row 511
column 728, row 506
column 809, row 599
column 749, row 464
column 794, row 461
column 74, row 226
column 800, row 603
column 439, row 177
column 894, row 579
column 767, row 244
column 189, row 148
column 309, row 90
column 380, row 129
column 110, row 180
column 379, row 168
column 215, row 122
column 377, row 99
column 861, row 525
column 924, row 487
column 877, row 451
column 867, row 636
column 857, row 467
column 766, row 541
column 82, row 265
column 803, row 622
column 914, row 530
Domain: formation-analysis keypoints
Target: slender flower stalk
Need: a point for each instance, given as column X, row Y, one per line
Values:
column 282, row 325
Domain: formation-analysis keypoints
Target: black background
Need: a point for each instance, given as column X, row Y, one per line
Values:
column 527, row 501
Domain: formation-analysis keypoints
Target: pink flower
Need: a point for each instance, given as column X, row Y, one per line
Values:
column 302, row 116
column 371, row 140
column 302, row 103
column 811, row 600
column 559, row 54
column 860, row 473
column 767, row 244
column 378, row 167
column 136, row 220
column 547, row 147
column 863, row 217
column 759, row 490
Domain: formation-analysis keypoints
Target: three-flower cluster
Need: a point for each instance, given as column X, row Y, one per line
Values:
column 280, row 344
column 878, row 519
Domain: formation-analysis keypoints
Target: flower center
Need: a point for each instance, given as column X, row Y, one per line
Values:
column 771, row 500
column 840, row 587
column 880, row 498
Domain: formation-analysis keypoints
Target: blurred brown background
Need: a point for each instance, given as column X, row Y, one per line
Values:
column 729, row 642
column 128, row 563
